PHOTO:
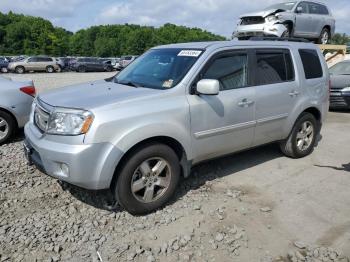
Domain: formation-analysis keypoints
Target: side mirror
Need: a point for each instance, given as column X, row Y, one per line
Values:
column 299, row 10
column 208, row 87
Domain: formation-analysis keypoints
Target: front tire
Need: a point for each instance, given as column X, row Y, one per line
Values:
column 7, row 126
column 148, row 179
column 20, row 70
column 4, row 70
column 50, row 69
column 302, row 139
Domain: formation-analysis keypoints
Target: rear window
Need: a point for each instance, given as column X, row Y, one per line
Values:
column 311, row 63
column 274, row 67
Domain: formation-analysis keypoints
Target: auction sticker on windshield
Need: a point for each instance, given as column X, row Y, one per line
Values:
column 191, row 53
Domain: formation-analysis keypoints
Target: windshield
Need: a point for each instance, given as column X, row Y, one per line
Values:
column 159, row 68
column 340, row 69
column 283, row 6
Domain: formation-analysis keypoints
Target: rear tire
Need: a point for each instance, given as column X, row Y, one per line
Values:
column 325, row 37
column 7, row 126
column 138, row 167
column 20, row 70
column 302, row 139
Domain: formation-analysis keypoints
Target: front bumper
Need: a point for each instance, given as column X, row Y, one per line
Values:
column 260, row 30
column 89, row 166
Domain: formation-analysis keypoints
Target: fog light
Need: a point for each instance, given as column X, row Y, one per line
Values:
column 64, row 169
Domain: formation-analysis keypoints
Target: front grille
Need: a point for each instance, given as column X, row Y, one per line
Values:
column 41, row 118
column 252, row 20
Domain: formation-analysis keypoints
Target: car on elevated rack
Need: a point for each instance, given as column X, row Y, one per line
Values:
column 174, row 107
column 306, row 19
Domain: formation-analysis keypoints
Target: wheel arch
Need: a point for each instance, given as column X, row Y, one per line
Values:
column 173, row 143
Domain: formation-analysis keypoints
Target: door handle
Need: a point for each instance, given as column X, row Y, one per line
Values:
column 245, row 103
column 294, row 93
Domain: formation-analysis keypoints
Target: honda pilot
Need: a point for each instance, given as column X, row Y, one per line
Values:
column 175, row 106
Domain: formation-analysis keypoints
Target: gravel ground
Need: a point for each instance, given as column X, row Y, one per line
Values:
column 253, row 206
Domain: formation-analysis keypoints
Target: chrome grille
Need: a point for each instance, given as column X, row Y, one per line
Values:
column 41, row 118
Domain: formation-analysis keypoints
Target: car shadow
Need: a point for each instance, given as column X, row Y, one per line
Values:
column 200, row 174
column 344, row 167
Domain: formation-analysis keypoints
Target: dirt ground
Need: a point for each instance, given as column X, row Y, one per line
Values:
column 253, row 206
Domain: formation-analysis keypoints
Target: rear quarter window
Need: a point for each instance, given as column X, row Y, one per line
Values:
column 311, row 63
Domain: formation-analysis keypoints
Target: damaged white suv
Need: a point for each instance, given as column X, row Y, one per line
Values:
column 306, row 19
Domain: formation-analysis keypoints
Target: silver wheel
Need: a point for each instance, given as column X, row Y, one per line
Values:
column 305, row 136
column 4, row 70
column 4, row 128
column 151, row 180
column 325, row 37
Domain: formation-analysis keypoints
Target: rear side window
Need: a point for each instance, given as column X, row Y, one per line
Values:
column 230, row 70
column 311, row 63
column 323, row 10
column 274, row 67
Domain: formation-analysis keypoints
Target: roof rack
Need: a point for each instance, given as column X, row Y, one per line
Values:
column 280, row 39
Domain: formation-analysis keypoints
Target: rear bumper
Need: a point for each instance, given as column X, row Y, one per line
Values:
column 260, row 30
column 89, row 166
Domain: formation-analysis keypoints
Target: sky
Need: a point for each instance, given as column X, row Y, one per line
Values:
column 217, row 16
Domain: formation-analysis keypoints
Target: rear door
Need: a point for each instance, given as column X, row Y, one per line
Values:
column 318, row 19
column 224, row 123
column 277, row 93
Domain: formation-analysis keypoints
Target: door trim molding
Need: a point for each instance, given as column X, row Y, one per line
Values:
column 271, row 119
column 224, row 130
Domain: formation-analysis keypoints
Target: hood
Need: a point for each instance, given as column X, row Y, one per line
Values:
column 94, row 94
column 340, row 81
column 264, row 13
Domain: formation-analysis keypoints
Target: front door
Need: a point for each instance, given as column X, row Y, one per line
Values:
column 224, row 123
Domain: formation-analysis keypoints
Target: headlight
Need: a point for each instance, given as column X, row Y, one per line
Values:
column 72, row 122
column 271, row 18
column 346, row 89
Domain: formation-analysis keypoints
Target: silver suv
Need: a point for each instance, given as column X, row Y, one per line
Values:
column 174, row 107
column 35, row 63
column 306, row 19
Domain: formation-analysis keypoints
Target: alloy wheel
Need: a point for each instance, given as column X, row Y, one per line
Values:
column 305, row 136
column 4, row 128
column 151, row 180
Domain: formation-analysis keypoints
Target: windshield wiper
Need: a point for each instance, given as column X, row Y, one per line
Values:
column 128, row 83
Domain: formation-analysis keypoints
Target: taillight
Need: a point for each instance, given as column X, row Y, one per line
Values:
column 29, row 90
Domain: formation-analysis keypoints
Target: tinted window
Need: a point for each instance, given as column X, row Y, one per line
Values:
column 305, row 7
column 230, row 70
column 317, row 9
column 323, row 10
column 273, row 67
column 311, row 63
column 33, row 59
